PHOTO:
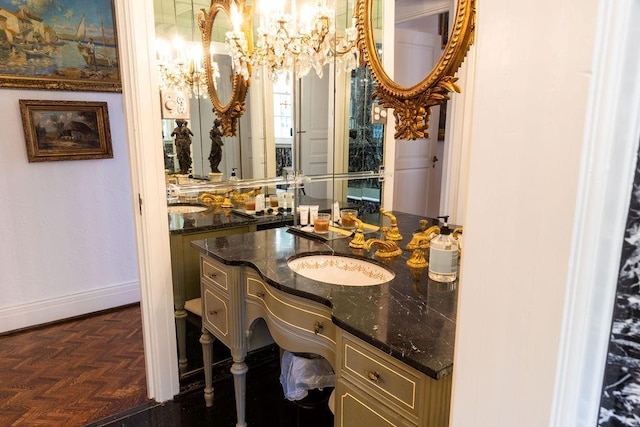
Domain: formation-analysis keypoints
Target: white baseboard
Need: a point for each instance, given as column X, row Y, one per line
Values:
column 51, row 310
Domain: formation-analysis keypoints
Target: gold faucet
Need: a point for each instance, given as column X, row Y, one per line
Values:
column 239, row 197
column 456, row 234
column 423, row 238
column 417, row 260
column 226, row 203
column 386, row 248
column 211, row 199
column 394, row 232
column 358, row 239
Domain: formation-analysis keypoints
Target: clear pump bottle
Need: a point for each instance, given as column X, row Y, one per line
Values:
column 443, row 255
column 233, row 176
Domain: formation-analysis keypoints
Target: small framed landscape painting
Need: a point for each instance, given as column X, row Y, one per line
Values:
column 66, row 130
column 60, row 45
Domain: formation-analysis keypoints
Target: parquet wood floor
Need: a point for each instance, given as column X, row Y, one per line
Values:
column 71, row 373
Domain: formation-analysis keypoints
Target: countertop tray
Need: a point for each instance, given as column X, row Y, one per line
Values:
column 307, row 231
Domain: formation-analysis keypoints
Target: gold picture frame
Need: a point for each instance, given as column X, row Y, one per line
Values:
column 412, row 105
column 47, row 45
column 66, row 130
column 228, row 112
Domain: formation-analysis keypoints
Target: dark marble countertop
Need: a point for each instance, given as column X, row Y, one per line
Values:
column 411, row 318
column 220, row 218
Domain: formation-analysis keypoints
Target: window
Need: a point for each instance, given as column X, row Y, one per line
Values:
column 283, row 109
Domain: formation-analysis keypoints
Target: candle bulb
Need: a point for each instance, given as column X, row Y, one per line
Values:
column 177, row 45
column 236, row 18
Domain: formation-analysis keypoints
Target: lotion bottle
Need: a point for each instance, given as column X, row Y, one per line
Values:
column 260, row 205
column 233, row 176
column 443, row 255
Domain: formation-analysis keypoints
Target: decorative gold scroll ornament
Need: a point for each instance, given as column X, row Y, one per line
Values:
column 230, row 112
column 412, row 105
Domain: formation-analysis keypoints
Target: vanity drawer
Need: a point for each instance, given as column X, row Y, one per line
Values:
column 297, row 314
column 214, row 272
column 382, row 375
column 216, row 313
column 357, row 408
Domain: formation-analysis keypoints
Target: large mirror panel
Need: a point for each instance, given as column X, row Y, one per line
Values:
column 263, row 146
column 419, row 36
column 319, row 126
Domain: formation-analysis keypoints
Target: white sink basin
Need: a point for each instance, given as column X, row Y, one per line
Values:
column 186, row 208
column 340, row 270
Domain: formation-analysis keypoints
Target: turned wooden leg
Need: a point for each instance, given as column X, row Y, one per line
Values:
column 239, row 370
column 206, row 339
column 181, row 331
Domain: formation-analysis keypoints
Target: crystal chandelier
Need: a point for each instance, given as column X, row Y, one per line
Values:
column 183, row 71
column 238, row 46
column 287, row 43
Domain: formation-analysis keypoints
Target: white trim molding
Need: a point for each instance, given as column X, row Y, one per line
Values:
column 54, row 309
column 457, row 144
column 142, row 112
column 608, row 167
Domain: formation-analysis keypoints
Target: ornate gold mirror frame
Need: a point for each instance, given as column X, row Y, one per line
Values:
column 412, row 105
column 230, row 112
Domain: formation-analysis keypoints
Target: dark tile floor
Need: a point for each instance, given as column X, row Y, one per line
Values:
column 266, row 406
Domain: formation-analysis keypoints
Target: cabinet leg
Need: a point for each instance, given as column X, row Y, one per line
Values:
column 239, row 370
column 181, row 331
column 206, row 339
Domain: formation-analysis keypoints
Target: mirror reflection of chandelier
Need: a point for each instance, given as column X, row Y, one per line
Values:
column 180, row 67
column 291, row 42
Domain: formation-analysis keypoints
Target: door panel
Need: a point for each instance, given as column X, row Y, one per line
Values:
column 415, row 54
column 314, row 131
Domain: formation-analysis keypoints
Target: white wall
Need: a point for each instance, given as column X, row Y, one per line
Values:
column 533, row 72
column 66, row 237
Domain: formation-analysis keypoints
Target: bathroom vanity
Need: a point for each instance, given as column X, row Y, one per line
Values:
column 204, row 222
column 186, row 227
column 391, row 344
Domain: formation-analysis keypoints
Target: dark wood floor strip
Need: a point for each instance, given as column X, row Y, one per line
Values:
column 73, row 373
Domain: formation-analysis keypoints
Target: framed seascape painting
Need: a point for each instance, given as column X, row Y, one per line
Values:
column 66, row 130
column 59, row 44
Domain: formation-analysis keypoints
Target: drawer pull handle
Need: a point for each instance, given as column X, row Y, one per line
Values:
column 212, row 275
column 213, row 312
column 374, row 376
column 260, row 294
column 317, row 327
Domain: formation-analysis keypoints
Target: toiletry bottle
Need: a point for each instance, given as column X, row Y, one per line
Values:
column 233, row 176
column 443, row 255
column 335, row 212
column 260, row 205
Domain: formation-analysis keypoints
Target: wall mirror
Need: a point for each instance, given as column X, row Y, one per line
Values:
column 262, row 146
column 412, row 99
column 229, row 99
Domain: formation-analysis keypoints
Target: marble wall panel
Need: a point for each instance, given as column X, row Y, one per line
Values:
column 620, row 400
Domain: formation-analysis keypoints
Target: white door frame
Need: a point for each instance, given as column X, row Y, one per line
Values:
column 606, row 181
column 609, row 144
column 141, row 101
